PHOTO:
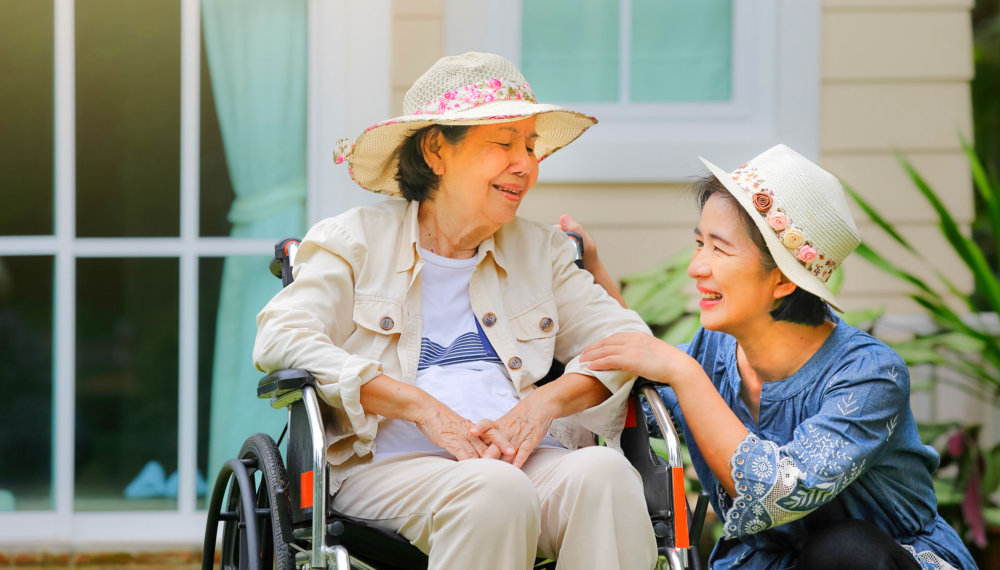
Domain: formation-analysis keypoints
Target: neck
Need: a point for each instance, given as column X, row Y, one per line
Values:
column 450, row 233
column 779, row 350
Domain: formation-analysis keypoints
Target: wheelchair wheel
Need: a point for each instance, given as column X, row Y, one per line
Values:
column 260, row 455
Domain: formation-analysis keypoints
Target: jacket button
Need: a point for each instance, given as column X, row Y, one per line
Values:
column 489, row 319
column 386, row 323
column 514, row 363
column 545, row 324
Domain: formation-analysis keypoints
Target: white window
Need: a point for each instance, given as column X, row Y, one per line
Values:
column 113, row 232
column 652, row 127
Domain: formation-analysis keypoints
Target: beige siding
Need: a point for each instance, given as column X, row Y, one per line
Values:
column 895, row 78
column 418, row 34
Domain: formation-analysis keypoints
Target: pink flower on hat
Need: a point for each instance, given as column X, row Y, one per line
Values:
column 495, row 84
column 807, row 253
column 777, row 220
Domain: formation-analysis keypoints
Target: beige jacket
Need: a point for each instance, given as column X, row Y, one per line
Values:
column 354, row 311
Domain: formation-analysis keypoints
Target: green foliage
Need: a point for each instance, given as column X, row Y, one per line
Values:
column 965, row 342
column 659, row 298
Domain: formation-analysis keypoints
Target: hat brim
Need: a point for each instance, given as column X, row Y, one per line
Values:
column 374, row 159
column 787, row 263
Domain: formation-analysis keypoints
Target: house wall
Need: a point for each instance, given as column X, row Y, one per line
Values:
column 894, row 78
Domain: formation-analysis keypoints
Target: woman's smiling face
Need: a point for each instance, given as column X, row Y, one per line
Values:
column 737, row 293
column 489, row 172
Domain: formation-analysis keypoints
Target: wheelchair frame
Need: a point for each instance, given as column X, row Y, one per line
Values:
column 279, row 519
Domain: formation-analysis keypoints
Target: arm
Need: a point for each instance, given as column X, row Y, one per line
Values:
column 591, row 261
column 859, row 402
column 442, row 426
column 305, row 326
column 526, row 423
column 713, row 425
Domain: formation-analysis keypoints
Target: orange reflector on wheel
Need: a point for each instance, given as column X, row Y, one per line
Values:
column 306, row 490
column 681, row 538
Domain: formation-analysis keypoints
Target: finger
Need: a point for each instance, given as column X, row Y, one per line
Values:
column 492, row 452
column 523, row 453
column 463, row 450
column 478, row 445
column 481, row 427
column 497, row 437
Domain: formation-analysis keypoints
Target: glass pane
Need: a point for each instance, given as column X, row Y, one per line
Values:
column 126, row 383
column 569, row 49
column 26, row 117
column 128, row 118
column 26, row 383
column 209, row 279
column 231, row 293
column 216, row 189
column 681, row 51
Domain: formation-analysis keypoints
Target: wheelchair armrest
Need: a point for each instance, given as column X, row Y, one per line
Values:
column 284, row 386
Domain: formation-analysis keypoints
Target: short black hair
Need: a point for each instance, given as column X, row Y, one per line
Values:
column 800, row 306
column 416, row 179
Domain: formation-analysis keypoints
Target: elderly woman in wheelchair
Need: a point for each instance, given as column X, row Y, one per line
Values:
column 428, row 321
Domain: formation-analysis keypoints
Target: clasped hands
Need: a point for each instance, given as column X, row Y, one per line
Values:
column 510, row 438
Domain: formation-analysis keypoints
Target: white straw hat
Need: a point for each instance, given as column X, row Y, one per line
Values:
column 802, row 212
column 468, row 89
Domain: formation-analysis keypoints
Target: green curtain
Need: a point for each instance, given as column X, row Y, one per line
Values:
column 257, row 58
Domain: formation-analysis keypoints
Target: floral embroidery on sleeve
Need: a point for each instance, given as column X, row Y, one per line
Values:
column 772, row 486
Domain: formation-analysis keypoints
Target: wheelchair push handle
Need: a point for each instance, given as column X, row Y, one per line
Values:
column 578, row 242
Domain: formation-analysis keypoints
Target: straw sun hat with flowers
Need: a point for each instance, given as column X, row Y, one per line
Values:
column 468, row 89
column 802, row 212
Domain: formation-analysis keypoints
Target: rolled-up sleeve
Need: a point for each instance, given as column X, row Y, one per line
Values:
column 306, row 324
column 588, row 314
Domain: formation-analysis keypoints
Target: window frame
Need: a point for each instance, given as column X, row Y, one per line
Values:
column 651, row 143
column 333, row 112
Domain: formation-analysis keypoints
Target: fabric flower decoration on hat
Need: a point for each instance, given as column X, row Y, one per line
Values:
column 807, row 253
column 777, row 220
column 762, row 201
column 792, row 238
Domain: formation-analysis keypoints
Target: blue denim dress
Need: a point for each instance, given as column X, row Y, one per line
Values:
column 836, row 439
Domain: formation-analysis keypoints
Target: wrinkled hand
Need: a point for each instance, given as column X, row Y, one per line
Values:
column 453, row 433
column 638, row 353
column 518, row 432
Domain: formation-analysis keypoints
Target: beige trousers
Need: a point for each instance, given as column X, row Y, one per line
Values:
column 584, row 508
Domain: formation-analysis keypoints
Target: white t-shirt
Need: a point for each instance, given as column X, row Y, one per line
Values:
column 458, row 366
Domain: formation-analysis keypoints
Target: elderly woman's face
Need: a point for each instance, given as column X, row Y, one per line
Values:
column 489, row 172
column 737, row 293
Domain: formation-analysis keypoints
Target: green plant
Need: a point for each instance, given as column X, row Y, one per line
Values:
column 965, row 342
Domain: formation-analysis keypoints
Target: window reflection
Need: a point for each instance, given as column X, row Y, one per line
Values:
column 26, row 383
column 26, row 117
column 126, row 383
column 128, row 118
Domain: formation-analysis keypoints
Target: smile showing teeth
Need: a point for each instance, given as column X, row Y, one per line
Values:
column 508, row 190
column 711, row 296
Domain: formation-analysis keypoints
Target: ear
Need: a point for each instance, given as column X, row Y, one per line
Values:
column 430, row 147
column 784, row 287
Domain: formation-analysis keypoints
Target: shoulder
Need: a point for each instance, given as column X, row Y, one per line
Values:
column 527, row 237
column 713, row 350
column 352, row 232
column 857, row 357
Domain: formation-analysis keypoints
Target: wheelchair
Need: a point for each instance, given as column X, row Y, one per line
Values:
column 276, row 512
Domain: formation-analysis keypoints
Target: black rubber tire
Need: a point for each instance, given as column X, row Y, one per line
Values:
column 272, row 494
